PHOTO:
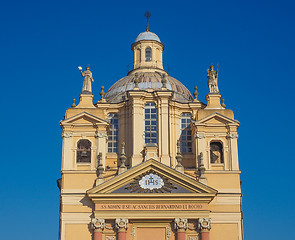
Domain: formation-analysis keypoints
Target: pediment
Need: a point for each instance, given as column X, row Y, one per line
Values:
column 216, row 118
column 174, row 182
column 83, row 118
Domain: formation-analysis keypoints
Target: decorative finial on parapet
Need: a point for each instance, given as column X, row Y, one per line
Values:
column 196, row 94
column 136, row 81
column 212, row 76
column 100, row 169
column 179, row 166
column 147, row 15
column 74, row 103
column 102, row 93
column 164, row 81
column 87, row 74
column 123, row 159
column 202, row 169
column 223, row 105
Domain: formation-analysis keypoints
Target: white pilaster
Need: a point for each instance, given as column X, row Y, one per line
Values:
column 67, row 152
column 101, row 147
column 164, row 126
column 201, row 147
column 233, row 151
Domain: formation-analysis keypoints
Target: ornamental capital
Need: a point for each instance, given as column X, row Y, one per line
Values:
column 98, row 223
column 121, row 223
column 204, row 223
column 67, row 134
column 232, row 135
column 200, row 135
column 100, row 135
column 180, row 223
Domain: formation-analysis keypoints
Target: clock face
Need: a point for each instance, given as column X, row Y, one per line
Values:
column 151, row 181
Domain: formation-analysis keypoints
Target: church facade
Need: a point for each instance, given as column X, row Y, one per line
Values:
column 149, row 160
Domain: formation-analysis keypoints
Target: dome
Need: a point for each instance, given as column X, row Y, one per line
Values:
column 147, row 36
column 147, row 80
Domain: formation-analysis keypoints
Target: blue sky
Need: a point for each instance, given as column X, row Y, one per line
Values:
column 43, row 42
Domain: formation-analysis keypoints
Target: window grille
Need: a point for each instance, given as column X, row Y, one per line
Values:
column 186, row 133
column 150, row 123
column 113, row 136
column 148, row 54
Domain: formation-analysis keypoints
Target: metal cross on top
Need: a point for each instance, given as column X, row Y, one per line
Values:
column 147, row 15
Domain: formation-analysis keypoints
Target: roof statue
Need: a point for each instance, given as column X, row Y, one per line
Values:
column 212, row 76
column 87, row 74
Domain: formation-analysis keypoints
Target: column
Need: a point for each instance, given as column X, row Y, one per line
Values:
column 122, row 225
column 180, row 224
column 204, row 225
column 98, row 224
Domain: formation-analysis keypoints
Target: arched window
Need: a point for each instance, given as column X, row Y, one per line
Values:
column 186, row 133
column 216, row 152
column 150, row 123
column 148, row 54
column 84, row 151
column 113, row 136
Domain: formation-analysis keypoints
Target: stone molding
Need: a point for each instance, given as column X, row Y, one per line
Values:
column 200, row 135
column 168, row 232
column 97, row 223
column 110, row 238
column 101, row 135
column 232, row 135
column 204, row 223
column 180, row 223
column 121, row 223
column 67, row 134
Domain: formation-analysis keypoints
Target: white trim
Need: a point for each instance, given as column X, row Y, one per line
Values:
column 228, row 190
column 76, row 217
column 78, row 171
column 75, row 200
column 225, row 217
column 75, row 191
column 226, row 200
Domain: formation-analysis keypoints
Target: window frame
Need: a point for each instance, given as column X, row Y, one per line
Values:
column 150, row 123
column 148, row 51
column 186, row 138
column 113, row 134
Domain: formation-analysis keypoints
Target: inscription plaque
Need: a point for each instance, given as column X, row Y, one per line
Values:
column 148, row 207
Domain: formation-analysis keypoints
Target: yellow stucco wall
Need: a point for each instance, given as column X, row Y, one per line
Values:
column 77, row 232
column 225, row 231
